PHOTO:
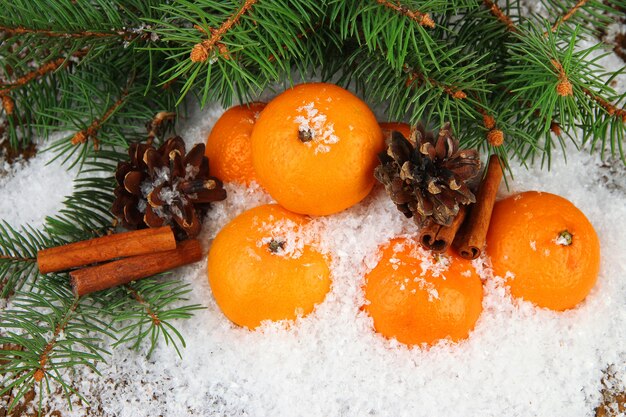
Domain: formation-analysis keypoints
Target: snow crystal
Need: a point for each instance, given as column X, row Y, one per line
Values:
column 142, row 205
column 191, row 171
column 169, row 195
column 310, row 119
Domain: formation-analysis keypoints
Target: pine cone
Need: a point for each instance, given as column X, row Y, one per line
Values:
column 165, row 186
column 429, row 179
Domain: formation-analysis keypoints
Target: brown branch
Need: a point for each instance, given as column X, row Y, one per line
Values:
column 567, row 15
column 201, row 51
column 500, row 15
column 610, row 108
column 16, row 258
column 153, row 316
column 90, row 132
column 40, row 72
column 421, row 18
column 45, row 354
column 414, row 76
column 123, row 34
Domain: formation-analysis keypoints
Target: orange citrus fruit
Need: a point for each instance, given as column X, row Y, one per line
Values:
column 546, row 247
column 389, row 127
column 229, row 147
column 261, row 266
column 418, row 297
column 314, row 149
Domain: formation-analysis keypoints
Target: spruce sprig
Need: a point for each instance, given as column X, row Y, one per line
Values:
column 48, row 331
column 145, row 311
column 233, row 50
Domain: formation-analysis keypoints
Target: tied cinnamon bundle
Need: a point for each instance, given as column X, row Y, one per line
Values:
column 471, row 239
column 139, row 254
column 123, row 271
column 105, row 248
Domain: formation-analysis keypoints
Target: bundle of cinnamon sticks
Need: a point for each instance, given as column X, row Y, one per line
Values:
column 119, row 258
column 468, row 232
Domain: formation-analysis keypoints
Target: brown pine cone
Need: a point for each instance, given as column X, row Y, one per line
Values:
column 165, row 186
column 429, row 177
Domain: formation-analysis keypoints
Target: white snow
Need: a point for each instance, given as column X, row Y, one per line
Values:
column 35, row 189
column 314, row 121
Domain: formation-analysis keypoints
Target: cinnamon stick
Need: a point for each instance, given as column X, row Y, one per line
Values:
column 119, row 245
column 471, row 239
column 438, row 238
column 96, row 278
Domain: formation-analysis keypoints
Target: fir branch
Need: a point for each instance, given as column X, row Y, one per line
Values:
column 86, row 213
column 37, row 73
column 153, row 316
column 145, row 309
column 202, row 50
column 44, row 356
column 422, row 19
column 50, row 331
column 445, row 95
column 586, row 16
column 610, row 108
column 252, row 35
column 414, row 76
column 18, row 257
column 90, row 131
column 568, row 15
column 124, row 34
column 500, row 15
column 299, row 36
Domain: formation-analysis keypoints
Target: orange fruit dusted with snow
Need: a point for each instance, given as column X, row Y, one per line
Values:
column 418, row 297
column 545, row 247
column 389, row 127
column 314, row 149
column 262, row 266
column 229, row 146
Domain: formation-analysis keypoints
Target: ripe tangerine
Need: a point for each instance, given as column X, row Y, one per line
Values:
column 314, row 149
column 419, row 297
column 547, row 246
column 229, row 147
column 261, row 266
column 389, row 127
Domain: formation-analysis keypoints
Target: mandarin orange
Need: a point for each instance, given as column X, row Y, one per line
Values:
column 229, row 147
column 546, row 247
column 389, row 127
column 261, row 266
column 419, row 297
column 314, row 149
